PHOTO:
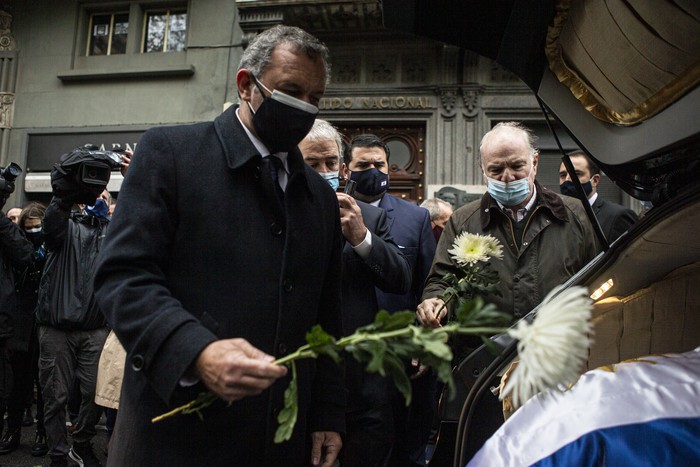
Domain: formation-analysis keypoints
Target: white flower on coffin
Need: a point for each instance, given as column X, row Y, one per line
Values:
column 553, row 349
column 469, row 248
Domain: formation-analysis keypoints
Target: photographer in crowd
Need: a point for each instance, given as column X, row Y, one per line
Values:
column 24, row 346
column 72, row 329
column 15, row 251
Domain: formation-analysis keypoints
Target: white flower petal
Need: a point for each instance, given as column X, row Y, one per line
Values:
column 554, row 347
column 469, row 248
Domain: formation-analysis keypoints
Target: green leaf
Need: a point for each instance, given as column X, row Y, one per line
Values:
column 377, row 348
column 473, row 313
column 323, row 343
column 435, row 343
column 404, row 348
column 385, row 321
column 287, row 417
column 396, row 370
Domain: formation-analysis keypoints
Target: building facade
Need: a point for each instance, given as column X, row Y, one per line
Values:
column 103, row 72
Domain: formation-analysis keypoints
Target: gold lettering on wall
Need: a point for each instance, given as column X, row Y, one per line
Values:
column 375, row 103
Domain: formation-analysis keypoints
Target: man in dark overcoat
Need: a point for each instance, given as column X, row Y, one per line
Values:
column 205, row 299
column 371, row 259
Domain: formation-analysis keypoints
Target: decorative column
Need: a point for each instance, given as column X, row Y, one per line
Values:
column 8, row 73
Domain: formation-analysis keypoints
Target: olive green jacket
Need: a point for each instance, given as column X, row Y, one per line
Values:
column 558, row 240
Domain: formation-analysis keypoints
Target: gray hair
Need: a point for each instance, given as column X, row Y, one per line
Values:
column 258, row 54
column 528, row 135
column 435, row 207
column 322, row 131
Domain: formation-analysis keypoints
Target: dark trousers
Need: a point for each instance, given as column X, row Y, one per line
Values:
column 65, row 355
column 25, row 371
column 5, row 380
column 413, row 423
column 369, row 438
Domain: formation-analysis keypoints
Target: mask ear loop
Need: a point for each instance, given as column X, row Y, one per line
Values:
column 259, row 85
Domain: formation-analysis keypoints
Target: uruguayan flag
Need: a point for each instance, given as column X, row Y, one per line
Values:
column 640, row 412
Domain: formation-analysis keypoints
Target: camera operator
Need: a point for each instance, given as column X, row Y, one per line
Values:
column 17, row 251
column 72, row 329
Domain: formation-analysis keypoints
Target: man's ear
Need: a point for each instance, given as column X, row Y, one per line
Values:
column 244, row 84
column 595, row 180
column 535, row 161
column 344, row 171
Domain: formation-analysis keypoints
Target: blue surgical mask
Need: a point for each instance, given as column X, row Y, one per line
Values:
column 100, row 209
column 511, row 193
column 331, row 178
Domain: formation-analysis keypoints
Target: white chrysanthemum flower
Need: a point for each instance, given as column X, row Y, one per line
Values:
column 469, row 248
column 493, row 247
column 553, row 349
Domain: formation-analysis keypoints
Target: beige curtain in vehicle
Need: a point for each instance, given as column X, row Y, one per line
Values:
column 626, row 60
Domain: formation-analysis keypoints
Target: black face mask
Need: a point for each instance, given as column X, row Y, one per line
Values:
column 37, row 238
column 370, row 182
column 282, row 121
column 568, row 188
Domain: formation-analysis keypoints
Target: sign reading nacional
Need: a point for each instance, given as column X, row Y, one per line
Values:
column 378, row 103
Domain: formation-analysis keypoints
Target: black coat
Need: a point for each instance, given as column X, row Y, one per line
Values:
column 387, row 269
column 66, row 293
column 27, row 286
column 18, row 252
column 614, row 219
column 200, row 250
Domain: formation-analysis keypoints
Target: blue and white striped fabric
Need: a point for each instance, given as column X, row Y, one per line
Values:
column 640, row 412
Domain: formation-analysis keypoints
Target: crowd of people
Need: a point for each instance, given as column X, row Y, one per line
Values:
column 206, row 300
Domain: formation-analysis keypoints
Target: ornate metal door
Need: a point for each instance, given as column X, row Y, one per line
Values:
column 406, row 143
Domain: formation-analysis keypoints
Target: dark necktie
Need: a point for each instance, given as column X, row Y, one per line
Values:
column 274, row 165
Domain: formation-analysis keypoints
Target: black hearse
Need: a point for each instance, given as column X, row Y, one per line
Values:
column 622, row 78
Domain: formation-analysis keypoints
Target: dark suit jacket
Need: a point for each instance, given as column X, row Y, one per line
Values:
column 613, row 218
column 385, row 268
column 410, row 226
column 200, row 249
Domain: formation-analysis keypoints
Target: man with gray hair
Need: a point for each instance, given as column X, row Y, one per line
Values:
column 371, row 259
column 545, row 238
column 440, row 212
column 207, row 300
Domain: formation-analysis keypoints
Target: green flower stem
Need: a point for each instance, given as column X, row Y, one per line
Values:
column 302, row 352
column 466, row 278
column 205, row 399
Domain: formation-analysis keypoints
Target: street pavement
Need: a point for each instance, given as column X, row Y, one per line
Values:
column 22, row 456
